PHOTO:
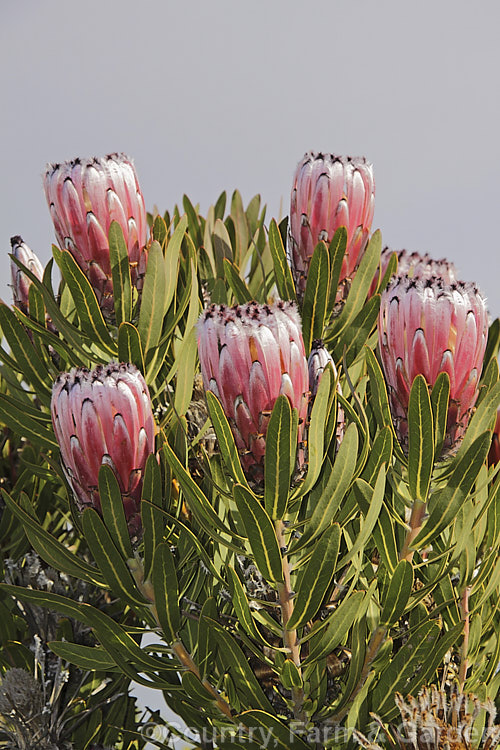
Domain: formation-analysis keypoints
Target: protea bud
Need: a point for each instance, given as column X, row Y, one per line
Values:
column 100, row 417
column 249, row 355
column 494, row 454
column 426, row 327
column 329, row 192
column 415, row 266
column 319, row 358
column 20, row 282
column 84, row 197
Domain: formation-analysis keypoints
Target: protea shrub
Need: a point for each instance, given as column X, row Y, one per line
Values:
column 249, row 355
column 100, row 417
column 20, row 281
column 415, row 266
column 329, row 192
column 426, row 327
column 84, row 197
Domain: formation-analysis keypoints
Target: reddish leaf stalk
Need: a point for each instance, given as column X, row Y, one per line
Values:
column 416, row 521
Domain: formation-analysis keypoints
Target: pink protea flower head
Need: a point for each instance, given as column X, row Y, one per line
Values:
column 84, row 197
column 249, row 355
column 426, row 327
column 415, row 266
column 494, row 454
column 100, row 417
column 20, row 282
column 329, row 192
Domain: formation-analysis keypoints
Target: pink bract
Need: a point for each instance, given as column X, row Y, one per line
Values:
column 249, row 355
column 329, row 192
column 427, row 327
column 20, row 281
column 100, row 417
column 84, row 197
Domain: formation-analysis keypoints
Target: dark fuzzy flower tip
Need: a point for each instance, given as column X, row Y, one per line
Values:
column 311, row 156
column 100, row 161
column 78, row 374
column 250, row 311
column 16, row 240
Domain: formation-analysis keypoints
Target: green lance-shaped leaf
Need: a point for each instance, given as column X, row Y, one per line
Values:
column 483, row 419
column 439, row 401
column 359, row 331
column 227, row 446
column 290, row 675
column 113, row 511
column 236, row 664
column 316, row 296
column 380, row 399
column 166, row 592
column 242, row 607
column 186, row 365
column 120, row 273
column 195, row 690
column 207, row 639
column 284, row 280
column 272, row 731
column 153, row 522
column 398, row 593
column 316, row 432
column 361, row 284
column 315, row 578
column 374, row 497
column 222, row 247
column 337, row 628
column 160, row 230
column 380, row 453
column 109, row 560
column 420, row 439
column 240, row 290
column 172, row 254
column 48, row 547
column 91, row 658
column 336, row 252
column 326, row 505
column 129, row 346
column 261, row 534
column 13, row 414
column 86, row 304
column 445, row 503
column 152, row 300
column 27, row 360
column 277, row 460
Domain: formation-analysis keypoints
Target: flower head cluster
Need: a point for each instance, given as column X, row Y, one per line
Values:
column 426, row 327
column 329, row 192
column 84, row 197
column 100, row 417
column 249, row 355
column 415, row 266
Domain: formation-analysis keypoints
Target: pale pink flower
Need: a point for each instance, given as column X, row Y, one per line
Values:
column 100, row 417
column 329, row 192
column 20, row 281
column 426, row 327
column 249, row 355
column 415, row 266
column 84, row 197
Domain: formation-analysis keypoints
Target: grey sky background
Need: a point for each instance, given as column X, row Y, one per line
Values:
column 229, row 94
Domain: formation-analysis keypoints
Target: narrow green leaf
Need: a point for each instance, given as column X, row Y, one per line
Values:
column 186, row 365
column 420, row 439
column 153, row 299
column 129, row 346
column 375, row 498
column 360, row 284
column 483, row 419
column 120, row 273
column 109, row 560
column 50, row 549
column 166, row 592
column 380, row 399
column 359, row 331
column 91, row 658
column 89, row 312
column 336, row 252
column 236, row 664
column 160, row 230
column 207, row 642
column 277, row 465
column 380, row 453
column 398, row 593
column 222, row 247
column 172, row 255
column 315, row 578
column 337, row 628
column 240, row 290
column 439, row 402
column 113, row 511
column 27, row 360
column 445, row 503
column 242, row 607
column 316, row 296
column 227, row 446
column 21, row 423
column 284, row 280
column 152, row 517
column 261, row 534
